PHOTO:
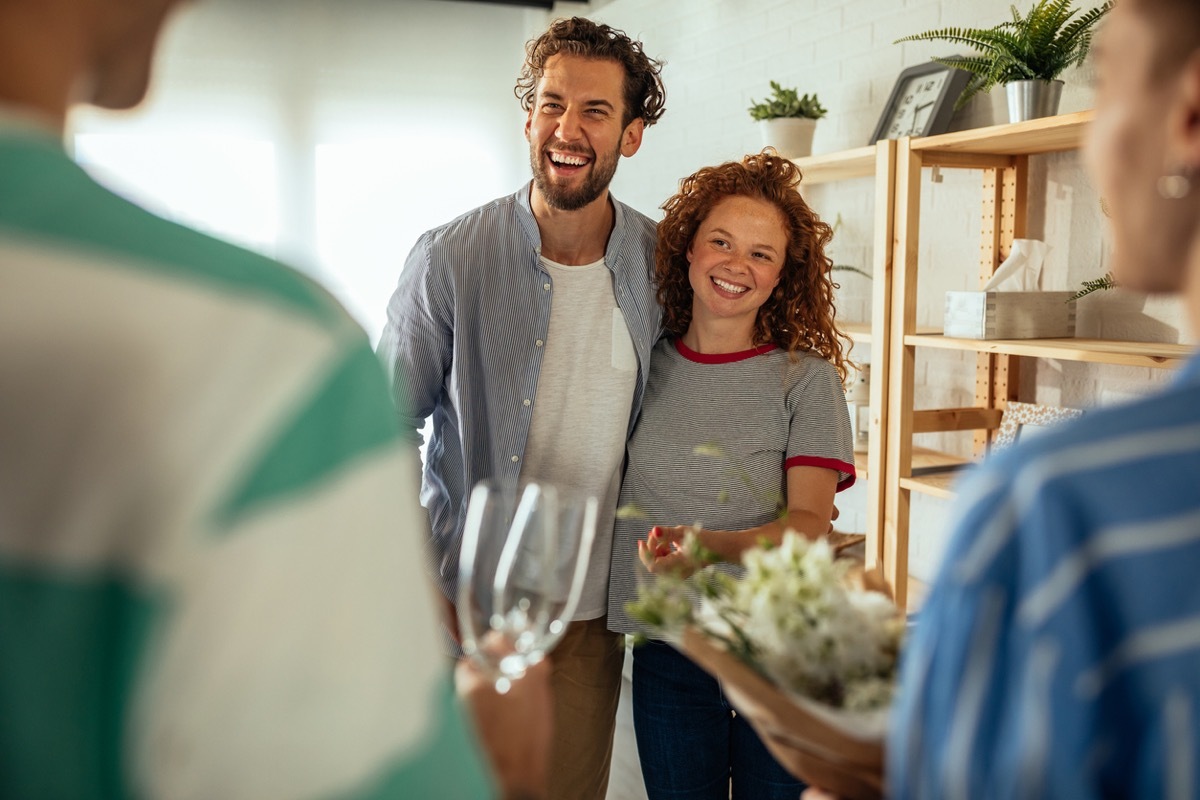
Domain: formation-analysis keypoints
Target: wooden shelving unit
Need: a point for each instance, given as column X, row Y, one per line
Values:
column 894, row 467
column 1001, row 153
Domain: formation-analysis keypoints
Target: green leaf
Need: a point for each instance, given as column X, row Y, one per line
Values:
column 1094, row 285
column 710, row 449
column 848, row 268
column 630, row 511
column 786, row 103
column 1039, row 45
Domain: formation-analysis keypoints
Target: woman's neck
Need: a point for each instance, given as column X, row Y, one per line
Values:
column 714, row 337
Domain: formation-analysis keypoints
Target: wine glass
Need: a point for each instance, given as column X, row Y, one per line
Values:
column 524, row 557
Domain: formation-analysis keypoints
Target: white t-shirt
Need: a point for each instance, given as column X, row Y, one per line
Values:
column 581, row 411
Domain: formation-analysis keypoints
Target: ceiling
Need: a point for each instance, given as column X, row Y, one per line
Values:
column 546, row 4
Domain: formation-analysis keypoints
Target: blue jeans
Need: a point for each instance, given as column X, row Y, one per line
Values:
column 690, row 742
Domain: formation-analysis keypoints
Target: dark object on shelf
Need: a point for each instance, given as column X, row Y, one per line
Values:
column 921, row 102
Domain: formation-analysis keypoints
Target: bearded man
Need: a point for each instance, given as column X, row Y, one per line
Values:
column 524, row 329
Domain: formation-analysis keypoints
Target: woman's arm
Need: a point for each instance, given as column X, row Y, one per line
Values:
column 810, row 492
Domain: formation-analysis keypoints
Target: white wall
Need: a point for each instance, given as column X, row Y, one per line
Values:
column 721, row 54
column 330, row 133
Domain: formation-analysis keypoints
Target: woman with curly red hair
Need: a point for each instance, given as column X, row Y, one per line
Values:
column 743, row 433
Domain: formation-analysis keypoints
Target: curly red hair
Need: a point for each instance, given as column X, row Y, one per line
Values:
column 799, row 315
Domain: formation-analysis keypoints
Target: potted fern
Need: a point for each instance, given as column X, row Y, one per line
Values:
column 1025, row 54
column 787, row 120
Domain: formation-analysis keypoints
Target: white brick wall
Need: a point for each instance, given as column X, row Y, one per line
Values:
column 721, row 53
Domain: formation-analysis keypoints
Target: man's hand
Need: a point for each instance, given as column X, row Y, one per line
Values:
column 514, row 728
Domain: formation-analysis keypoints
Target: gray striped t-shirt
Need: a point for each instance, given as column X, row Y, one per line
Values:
column 752, row 415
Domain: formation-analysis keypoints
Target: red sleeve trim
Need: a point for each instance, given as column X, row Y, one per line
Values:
column 837, row 465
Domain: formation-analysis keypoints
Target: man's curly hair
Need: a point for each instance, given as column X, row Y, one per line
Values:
column 645, row 96
column 799, row 314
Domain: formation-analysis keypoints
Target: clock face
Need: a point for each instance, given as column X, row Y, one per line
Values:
column 915, row 103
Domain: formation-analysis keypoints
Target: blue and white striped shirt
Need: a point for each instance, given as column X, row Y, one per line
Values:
column 1058, row 654
column 464, row 340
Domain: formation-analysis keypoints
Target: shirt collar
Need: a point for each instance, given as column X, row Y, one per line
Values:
column 528, row 222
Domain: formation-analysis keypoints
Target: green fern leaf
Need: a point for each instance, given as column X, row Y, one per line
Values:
column 1095, row 285
column 1040, row 44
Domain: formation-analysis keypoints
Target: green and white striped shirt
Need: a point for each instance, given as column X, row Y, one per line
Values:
column 210, row 581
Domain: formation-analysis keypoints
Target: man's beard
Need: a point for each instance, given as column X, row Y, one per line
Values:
column 562, row 198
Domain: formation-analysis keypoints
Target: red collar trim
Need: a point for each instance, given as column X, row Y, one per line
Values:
column 720, row 358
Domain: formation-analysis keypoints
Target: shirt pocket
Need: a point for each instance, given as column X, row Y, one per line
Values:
column 623, row 356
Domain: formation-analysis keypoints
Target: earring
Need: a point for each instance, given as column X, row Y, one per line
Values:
column 1178, row 185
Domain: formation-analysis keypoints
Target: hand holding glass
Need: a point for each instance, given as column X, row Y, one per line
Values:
column 525, row 553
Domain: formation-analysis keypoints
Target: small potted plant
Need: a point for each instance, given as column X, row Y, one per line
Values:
column 1025, row 54
column 787, row 120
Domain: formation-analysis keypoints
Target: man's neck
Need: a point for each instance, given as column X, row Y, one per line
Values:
column 574, row 238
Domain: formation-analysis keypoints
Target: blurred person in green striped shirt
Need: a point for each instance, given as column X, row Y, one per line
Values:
column 206, row 581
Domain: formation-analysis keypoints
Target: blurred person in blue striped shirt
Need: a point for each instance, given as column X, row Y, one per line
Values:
column 1058, row 653
column 524, row 329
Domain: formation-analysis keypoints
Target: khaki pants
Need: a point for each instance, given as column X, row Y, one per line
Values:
column 586, row 680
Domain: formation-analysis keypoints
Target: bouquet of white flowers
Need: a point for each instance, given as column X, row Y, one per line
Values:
column 826, row 648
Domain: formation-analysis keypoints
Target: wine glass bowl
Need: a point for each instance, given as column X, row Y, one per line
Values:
column 524, row 558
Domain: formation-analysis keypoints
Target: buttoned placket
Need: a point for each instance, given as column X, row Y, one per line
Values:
column 539, row 344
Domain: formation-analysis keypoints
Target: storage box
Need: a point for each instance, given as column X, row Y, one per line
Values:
column 1010, row 315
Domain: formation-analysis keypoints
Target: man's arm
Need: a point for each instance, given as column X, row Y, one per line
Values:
column 416, row 348
column 417, row 342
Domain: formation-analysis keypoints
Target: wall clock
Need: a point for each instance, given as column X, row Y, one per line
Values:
column 922, row 101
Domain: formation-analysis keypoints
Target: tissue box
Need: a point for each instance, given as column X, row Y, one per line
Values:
column 1010, row 315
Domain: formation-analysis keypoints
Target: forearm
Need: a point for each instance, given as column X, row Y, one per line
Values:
column 729, row 545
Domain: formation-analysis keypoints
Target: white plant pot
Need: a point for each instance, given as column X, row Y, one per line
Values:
column 791, row 136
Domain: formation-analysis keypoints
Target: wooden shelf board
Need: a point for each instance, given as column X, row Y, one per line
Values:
column 938, row 484
column 1095, row 351
column 856, row 331
column 860, row 465
column 924, row 457
column 1045, row 135
column 827, row 167
column 861, row 331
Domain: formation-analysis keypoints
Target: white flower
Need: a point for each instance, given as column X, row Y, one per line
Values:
column 794, row 617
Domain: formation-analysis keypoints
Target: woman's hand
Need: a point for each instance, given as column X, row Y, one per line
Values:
column 662, row 551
